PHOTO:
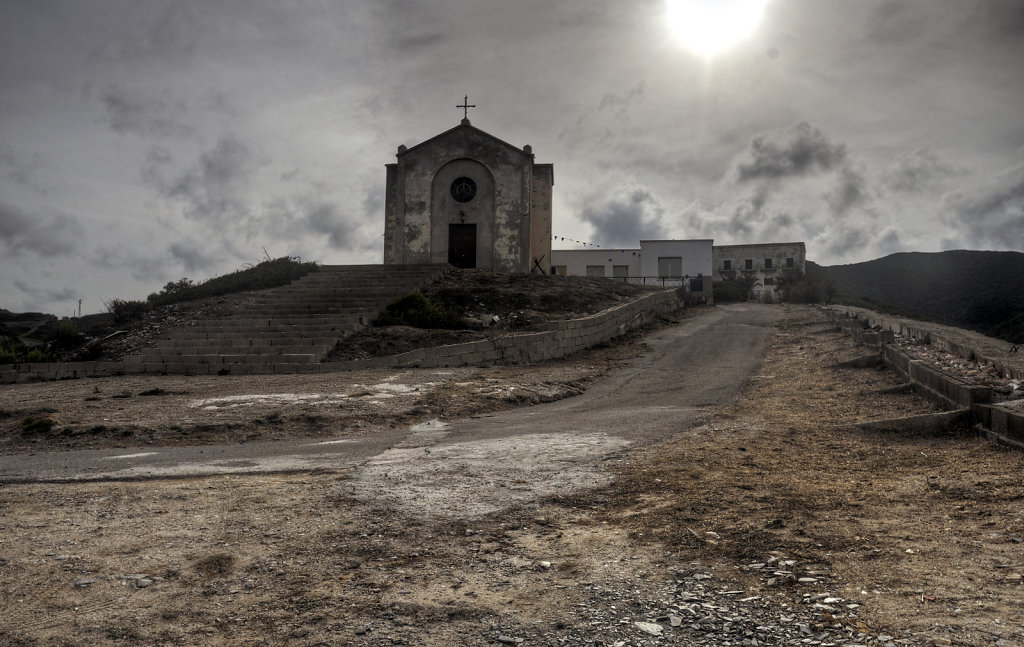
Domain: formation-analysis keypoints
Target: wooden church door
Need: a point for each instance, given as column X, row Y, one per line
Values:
column 462, row 245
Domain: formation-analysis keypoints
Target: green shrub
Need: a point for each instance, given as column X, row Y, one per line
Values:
column 418, row 311
column 7, row 355
column 125, row 310
column 35, row 356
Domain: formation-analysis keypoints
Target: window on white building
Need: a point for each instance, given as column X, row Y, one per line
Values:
column 595, row 270
column 559, row 270
column 767, row 263
column 620, row 271
column 670, row 267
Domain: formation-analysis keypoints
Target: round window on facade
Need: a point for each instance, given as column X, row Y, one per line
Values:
column 463, row 189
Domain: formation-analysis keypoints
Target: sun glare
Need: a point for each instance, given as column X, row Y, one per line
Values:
column 711, row 27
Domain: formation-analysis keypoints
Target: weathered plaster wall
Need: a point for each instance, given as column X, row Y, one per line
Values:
column 478, row 211
column 777, row 252
column 418, row 186
column 540, row 217
column 759, row 254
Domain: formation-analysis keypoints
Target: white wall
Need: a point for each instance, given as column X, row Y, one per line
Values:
column 577, row 260
column 696, row 255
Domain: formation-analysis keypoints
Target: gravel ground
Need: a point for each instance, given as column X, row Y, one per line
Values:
column 776, row 523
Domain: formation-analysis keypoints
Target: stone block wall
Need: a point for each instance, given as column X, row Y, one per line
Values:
column 964, row 343
column 562, row 338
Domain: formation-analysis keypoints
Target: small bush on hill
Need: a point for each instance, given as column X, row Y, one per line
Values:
column 270, row 273
column 7, row 355
column 418, row 311
column 125, row 310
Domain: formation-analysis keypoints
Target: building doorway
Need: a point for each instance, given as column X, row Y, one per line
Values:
column 462, row 245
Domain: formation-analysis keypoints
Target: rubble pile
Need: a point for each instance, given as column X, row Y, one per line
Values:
column 970, row 370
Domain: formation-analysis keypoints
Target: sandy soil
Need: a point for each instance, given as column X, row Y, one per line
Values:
column 919, row 536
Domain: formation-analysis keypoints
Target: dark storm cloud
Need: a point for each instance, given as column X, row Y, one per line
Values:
column 141, row 265
column 624, row 219
column 889, row 242
column 918, row 170
column 849, row 191
column 992, row 216
column 842, row 240
column 327, row 220
column 140, row 115
column 45, row 295
column 193, row 257
column 45, row 234
column 797, row 151
column 211, row 189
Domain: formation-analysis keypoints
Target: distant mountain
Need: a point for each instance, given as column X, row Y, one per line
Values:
column 982, row 291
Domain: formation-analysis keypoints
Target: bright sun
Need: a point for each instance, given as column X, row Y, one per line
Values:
column 711, row 27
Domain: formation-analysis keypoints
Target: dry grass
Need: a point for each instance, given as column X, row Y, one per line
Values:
column 927, row 527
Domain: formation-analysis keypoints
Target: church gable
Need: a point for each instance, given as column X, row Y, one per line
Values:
column 464, row 197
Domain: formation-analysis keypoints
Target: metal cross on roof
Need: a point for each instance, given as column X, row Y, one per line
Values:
column 465, row 107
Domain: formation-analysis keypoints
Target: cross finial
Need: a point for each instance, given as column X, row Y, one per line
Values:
column 465, row 105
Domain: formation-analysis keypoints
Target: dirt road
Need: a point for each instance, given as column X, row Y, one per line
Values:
column 769, row 518
column 659, row 394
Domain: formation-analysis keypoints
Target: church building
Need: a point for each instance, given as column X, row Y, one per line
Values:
column 470, row 199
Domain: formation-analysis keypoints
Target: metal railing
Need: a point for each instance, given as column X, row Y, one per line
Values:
column 690, row 283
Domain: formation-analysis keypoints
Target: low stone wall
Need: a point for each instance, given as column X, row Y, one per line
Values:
column 43, row 372
column 562, row 338
column 1002, row 422
column 949, row 391
column 965, row 343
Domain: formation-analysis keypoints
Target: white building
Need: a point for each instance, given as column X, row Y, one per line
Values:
column 656, row 262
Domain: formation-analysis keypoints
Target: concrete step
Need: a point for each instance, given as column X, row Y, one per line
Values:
column 231, row 346
column 229, row 340
column 222, row 360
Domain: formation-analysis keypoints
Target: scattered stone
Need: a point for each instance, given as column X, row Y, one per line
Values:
column 649, row 628
column 85, row 581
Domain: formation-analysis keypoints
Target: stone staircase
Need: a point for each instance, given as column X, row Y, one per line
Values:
column 289, row 329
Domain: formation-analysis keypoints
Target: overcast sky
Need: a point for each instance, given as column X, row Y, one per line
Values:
column 142, row 141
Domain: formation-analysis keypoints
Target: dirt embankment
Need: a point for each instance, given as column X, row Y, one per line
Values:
column 777, row 521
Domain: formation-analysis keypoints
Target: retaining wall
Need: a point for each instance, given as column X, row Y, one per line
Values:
column 562, row 338
column 1002, row 422
column 965, row 343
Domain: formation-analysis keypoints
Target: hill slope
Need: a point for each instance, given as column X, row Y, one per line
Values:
column 982, row 291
